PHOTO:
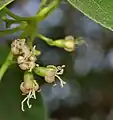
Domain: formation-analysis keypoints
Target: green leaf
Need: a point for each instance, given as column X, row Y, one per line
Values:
column 5, row 49
column 10, row 96
column 100, row 11
column 4, row 3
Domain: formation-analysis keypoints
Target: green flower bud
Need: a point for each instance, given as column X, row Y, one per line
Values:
column 24, row 66
column 68, row 43
column 32, row 58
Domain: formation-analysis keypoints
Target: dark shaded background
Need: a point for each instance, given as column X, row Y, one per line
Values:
column 89, row 70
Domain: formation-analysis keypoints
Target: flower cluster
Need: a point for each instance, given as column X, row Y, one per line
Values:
column 29, row 86
column 26, row 58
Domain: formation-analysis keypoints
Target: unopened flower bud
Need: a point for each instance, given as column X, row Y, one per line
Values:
column 24, row 66
column 69, row 43
column 20, row 59
column 17, row 45
column 31, row 65
column 15, row 51
column 33, row 58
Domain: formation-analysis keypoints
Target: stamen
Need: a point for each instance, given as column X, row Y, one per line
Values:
column 33, row 49
column 26, row 98
column 39, row 90
column 33, row 94
column 60, row 72
column 29, row 97
column 30, row 70
column 60, row 69
column 22, row 103
column 62, row 83
column 80, row 42
column 54, row 83
column 37, row 65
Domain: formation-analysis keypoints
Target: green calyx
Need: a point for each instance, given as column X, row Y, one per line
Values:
column 28, row 76
column 41, row 71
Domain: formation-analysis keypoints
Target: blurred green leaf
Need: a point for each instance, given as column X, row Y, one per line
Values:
column 100, row 11
column 4, row 50
column 4, row 3
column 10, row 97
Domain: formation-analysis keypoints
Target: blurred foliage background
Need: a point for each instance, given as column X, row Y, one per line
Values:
column 88, row 73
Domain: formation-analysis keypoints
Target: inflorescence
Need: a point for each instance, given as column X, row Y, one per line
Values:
column 26, row 58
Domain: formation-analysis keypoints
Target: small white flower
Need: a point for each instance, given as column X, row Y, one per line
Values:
column 53, row 72
column 29, row 90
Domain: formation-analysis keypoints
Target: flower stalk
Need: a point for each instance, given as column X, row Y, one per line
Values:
column 5, row 65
